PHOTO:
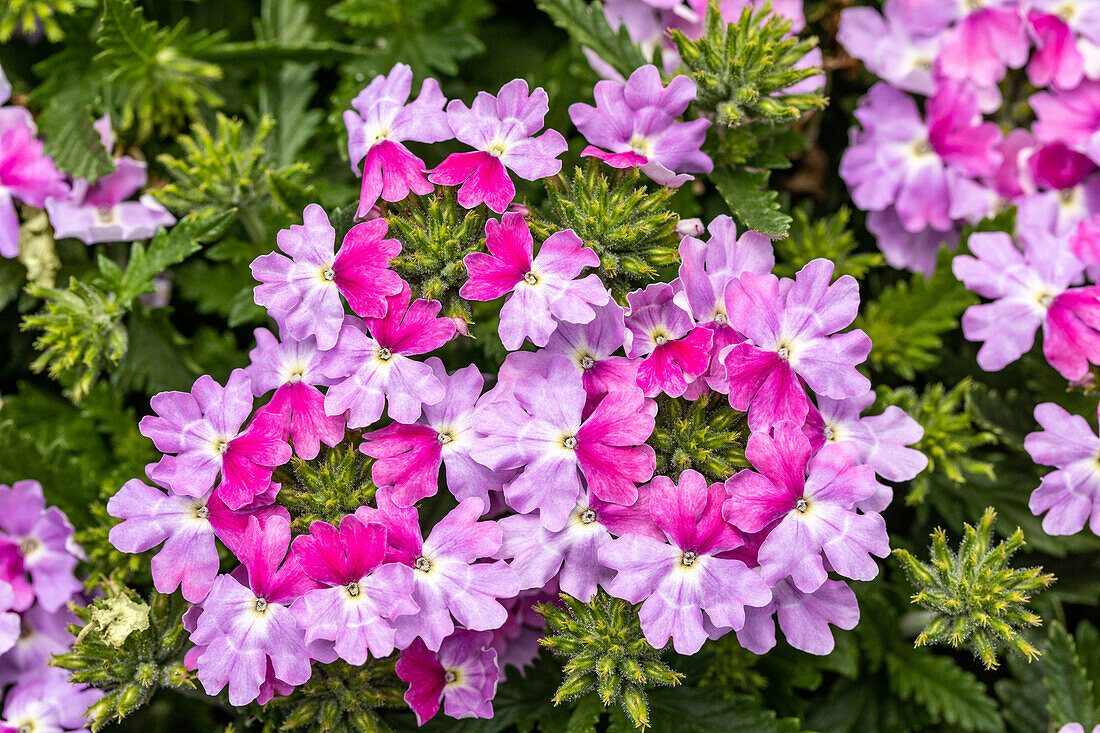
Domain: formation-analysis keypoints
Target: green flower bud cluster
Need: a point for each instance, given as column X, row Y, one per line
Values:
column 327, row 488
column 340, row 698
column 974, row 597
column 705, row 435
column 606, row 652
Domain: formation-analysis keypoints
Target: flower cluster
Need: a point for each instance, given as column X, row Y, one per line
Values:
column 544, row 481
column 37, row 558
column 923, row 178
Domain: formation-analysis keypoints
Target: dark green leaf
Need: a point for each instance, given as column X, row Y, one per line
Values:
column 949, row 693
column 751, row 201
column 71, row 139
column 1067, row 681
column 586, row 23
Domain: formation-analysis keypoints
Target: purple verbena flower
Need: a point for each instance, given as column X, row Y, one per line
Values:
column 544, row 289
column 46, row 702
column 26, row 174
column 303, row 290
column 462, row 675
column 889, row 47
column 44, row 538
column 803, row 618
column 41, row 635
column 1070, row 495
column 502, row 130
column 384, row 119
column 675, row 351
column 9, row 617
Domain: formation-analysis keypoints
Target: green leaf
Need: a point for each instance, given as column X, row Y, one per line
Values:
column 586, row 24
column 586, row 715
column 156, row 359
column 828, row 237
column 907, row 321
column 698, row 710
column 949, row 693
column 1067, row 681
column 751, row 201
column 12, row 277
column 70, row 137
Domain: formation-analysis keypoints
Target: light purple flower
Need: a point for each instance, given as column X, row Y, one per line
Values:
column 303, row 291
column 1070, row 495
column 449, row 578
column 244, row 626
column 201, row 433
column 462, row 675
column 42, row 634
column 540, row 430
column 517, row 641
column 634, row 124
column 26, row 174
column 409, row 456
column 804, row 618
column 502, row 130
column 680, row 581
column 187, row 526
column 890, row 47
column 676, row 353
column 792, row 334
column 46, row 702
column 370, row 364
column 360, row 594
column 905, row 250
column 99, row 211
column 985, row 40
column 292, row 369
column 45, row 540
column 9, row 617
column 543, row 288
column 809, row 504
column 384, row 119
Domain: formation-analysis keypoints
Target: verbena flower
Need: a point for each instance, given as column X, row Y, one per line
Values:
column 804, row 618
column 688, row 591
column 1071, row 116
column 890, row 47
column 9, row 618
column 544, row 289
column 384, row 119
column 675, row 351
column 462, row 676
column 361, row 594
column 503, row 131
column 46, row 702
column 303, row 291
column 981, row 40
column 26, row 173
column 42, row 634
column 370, row 364
column 200, row 431
column 634, row 125
column 44, row 538
column 1069, row 495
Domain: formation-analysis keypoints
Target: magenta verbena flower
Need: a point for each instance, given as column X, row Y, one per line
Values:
column 791, row 331
column 674, row 351
column 360, row 596
column 808, row 502
column 687, row 589
column 503, row 132
column 804, row 618
column 986, row 38
column 12, row 574
column 246, row 623
column 42, row 634
column 544, row 289
column 1069, row 495
column 1029, row 288
column 408, row 457
column 200, row 431
column 187, row 525
column 1057, row 61
column 46, row 702
column 450, row 580
column 634, row 125
column 1071, row 116
column 292, row 369
column 462, row 676
column 539, row 431
column 99, row 211
column 384, row 119
column 302, row 288
column 44, row 539
column 889, row 47
column 26, row 174
column 370, row 363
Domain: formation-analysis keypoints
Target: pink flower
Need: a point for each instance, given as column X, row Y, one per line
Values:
column 203, row 431
column 676, row 353
column 1071, row 116
column 890, row 47
column 462, row 675
column 44, row 538
column 679, row 581
column 543, row 288
column 502, row 131
column 303, row 290
column 26, row 174
column 370, row 364
column 635, row 125
column 384, row 119
column 808, row 514
column 41, row 635
column 984, row 42
column 292, row 369
column 361, row 594
column 804, row 618
column 1070, row 495
column 1056, row 61
column 792, row 335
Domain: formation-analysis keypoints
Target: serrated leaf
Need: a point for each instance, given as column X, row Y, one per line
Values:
column 949, row 693
column 70, row 138
column 698, row 710
column 586, row 23
column 156, row 359
column 1067, row 681
column 12, row 277
column 751, row 201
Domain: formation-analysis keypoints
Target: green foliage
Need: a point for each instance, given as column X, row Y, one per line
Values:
column 907, row 320
column 1072, row 698
column 586, row 24
column 631, row 228
column 975, row 597
column 742, row 70
column 705, row 435
column 950, row 695
column 71, row 139
column 153, row 77
column 128, row 649
column 751, row 201
column 606, row 652
column 328, row 488
column 31, row 17
column 697, row 710
column 950, row 439
column 340, row 698
column 828, row 237
column 435, row 234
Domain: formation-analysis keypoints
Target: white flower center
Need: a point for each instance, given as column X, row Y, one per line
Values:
column 496, row 150
column 222, row 446
column 588, row 516
column 801, row 506
column 450, row 676
column 587, row 362
column 531, row 278
column 261, row 605
column 444, row 438
column 295, row 376
column 570, row 442
column 423, row 564
column 688, row 559
column 202, row 512
column 328, row 274
column 384, row 354
column 1045, row 300
column 829, row 433
column 721, row 319
column 784, row 353
column 640, row 145
column 353, row 589
column 27, row 545
column 660, row 339
column 105, row 215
